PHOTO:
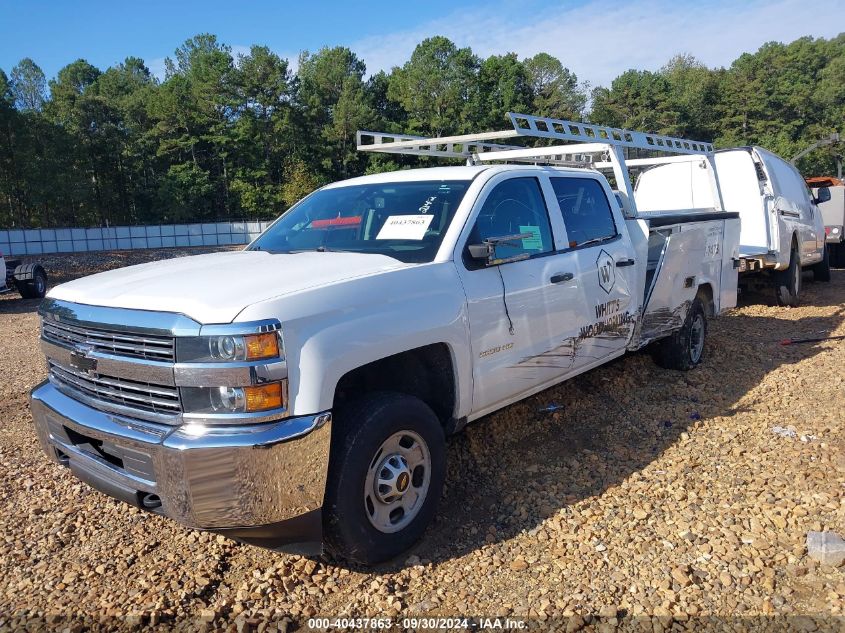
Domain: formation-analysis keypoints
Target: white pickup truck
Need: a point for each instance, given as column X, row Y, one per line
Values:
column 783, row 231
column 299, row 392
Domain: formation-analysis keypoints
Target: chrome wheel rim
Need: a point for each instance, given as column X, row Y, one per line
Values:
column 397, row 481
column 696, row 338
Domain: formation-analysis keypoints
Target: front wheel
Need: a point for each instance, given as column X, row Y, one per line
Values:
column 837, row 255
column 386, row 473
column 685, row 348
column 821, row 271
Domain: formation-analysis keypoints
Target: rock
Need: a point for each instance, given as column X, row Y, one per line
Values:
column 803, row 623
column 828, row 548
column 207, row 615
column 681, row 577
column 640, row 514
column 519, row 565
column 726, row 579
column 789, row 432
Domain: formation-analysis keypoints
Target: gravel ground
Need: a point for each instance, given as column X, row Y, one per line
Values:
column 649, row 499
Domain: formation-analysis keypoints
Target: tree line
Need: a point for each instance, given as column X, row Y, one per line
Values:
column 224, row 136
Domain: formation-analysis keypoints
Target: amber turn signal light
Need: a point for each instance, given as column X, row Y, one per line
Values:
column 260, row 346
column 264, row 397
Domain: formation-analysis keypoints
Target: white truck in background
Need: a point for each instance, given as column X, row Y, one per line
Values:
column 30, row 280
column 299, row 392
column 782, row 228
column 829, row 193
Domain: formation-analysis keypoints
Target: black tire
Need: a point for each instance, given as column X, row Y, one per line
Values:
column 837, row 255
column 359, row 431
column 32, row 284
column 685, row 348
column 788, row 282
column 821, row 271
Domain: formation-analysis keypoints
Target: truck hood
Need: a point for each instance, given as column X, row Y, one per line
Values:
column 214, row 288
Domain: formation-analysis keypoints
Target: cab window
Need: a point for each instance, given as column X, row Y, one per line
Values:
column 515, row 207
column 586, row 211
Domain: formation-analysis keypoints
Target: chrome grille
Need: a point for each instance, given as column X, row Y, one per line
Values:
column 156, row 399
column 146, row 346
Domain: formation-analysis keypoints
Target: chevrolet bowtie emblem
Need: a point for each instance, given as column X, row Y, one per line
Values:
column 80, row 360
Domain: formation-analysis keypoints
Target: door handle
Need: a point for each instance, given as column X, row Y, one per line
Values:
column 625, row 262
column 561, row 277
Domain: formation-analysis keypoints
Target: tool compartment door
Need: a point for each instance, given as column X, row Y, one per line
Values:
column 730, row 272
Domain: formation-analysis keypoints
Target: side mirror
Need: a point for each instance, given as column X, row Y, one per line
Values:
column 486, row 251
column 480, row 252
column 822, row 195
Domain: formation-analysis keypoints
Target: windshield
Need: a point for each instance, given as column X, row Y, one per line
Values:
column 404, row 220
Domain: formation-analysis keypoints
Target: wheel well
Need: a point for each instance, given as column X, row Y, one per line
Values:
column 425, row 372
column 705, row 295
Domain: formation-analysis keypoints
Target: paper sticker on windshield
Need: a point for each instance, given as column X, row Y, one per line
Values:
column 531, row 243
column 405, row 227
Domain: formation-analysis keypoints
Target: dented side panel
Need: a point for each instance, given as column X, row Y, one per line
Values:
column 683, row 258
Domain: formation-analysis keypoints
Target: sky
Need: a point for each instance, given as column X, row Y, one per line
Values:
column 596, row 39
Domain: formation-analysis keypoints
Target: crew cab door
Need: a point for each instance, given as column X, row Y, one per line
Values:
column 523, row 315
column 606, row 268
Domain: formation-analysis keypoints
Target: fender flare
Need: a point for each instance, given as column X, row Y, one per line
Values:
column 27, row 272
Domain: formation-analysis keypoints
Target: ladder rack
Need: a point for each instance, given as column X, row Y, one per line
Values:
column 546, row 127
column 593, row 139
column 590, row 146
column 462, row 146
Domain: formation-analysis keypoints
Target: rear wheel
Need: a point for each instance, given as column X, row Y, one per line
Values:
column 34, row 286
column 685, row 348
column 386, row 475
column 788, row 282
column 821, row 271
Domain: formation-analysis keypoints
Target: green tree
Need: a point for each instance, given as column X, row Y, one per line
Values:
column 28, row 85
column 637, row 99
column 554, row 89
column 503, row 86
column 195, row 118
column 694, row 95
column 435, row 87
column 334, row 103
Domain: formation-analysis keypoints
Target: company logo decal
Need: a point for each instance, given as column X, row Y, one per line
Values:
column 607, row 271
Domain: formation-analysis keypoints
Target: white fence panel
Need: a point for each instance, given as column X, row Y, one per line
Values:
column 82, row 240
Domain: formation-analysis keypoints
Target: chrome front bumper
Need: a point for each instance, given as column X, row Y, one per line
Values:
column 229, row 479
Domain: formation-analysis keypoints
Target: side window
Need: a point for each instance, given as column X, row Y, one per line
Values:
column 586, row 212
column 515, row 206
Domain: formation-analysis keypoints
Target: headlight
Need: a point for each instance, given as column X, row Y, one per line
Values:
column 222, row 400
column 228, row 348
